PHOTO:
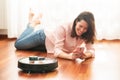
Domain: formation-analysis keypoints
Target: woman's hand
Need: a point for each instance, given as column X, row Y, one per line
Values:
column 78, row 52
column 83, row 56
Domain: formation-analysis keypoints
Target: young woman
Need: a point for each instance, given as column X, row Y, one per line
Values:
column 68, row 41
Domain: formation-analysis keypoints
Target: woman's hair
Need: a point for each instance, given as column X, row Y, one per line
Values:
column 89, row 35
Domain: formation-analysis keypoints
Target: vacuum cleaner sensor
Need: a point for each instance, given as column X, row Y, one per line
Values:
column 37, row 64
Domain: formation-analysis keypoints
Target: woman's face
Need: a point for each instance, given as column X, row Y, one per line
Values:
column 81, row 27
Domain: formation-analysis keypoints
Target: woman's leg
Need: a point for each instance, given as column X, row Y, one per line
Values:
column 33, row 40
column 30, row 39
column 27, row 31
column 41, row 46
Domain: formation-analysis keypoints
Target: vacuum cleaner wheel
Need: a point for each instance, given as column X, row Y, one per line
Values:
column 37, row 64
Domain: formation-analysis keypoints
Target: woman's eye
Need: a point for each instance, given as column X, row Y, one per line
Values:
column 80, row 26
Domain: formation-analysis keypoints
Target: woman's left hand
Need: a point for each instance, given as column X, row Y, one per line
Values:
column 83, row 56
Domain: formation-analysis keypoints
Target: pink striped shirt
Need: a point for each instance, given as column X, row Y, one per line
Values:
column 60, row 40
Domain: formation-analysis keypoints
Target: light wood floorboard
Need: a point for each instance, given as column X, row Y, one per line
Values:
column 105, row 65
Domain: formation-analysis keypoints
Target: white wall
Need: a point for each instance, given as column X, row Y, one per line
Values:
column 55, row 12
column 106, row 12
column 3, row 26
column 3, row 14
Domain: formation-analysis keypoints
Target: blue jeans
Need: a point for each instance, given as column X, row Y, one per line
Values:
column 31, row 40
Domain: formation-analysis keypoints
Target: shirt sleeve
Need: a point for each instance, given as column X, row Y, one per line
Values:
column 90, row 49
column 59, row 40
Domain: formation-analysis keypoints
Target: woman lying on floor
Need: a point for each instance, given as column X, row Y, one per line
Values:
column 68, row 41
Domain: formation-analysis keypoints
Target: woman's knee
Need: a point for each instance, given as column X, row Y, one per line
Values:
column 18, row 45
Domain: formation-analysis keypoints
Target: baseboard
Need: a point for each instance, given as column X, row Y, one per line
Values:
column 3, row 31
column 3, row 36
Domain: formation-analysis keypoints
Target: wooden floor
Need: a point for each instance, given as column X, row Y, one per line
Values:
column 105, row 66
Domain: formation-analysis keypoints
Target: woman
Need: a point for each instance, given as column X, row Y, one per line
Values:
column 69, row 41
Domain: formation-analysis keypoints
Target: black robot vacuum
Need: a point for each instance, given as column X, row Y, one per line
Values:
column 37, row 64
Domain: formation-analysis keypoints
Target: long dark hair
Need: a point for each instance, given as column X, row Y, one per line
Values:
column 89, row 35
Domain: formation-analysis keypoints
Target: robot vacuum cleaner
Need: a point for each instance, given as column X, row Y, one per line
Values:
column 37, row 64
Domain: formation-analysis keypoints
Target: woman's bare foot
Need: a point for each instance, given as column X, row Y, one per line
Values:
column 36, row 20
column 31, row 14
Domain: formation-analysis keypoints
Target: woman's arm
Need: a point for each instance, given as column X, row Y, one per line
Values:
column 71, row 56
column 65, row 55
column 76, row 53
column 60, row 37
